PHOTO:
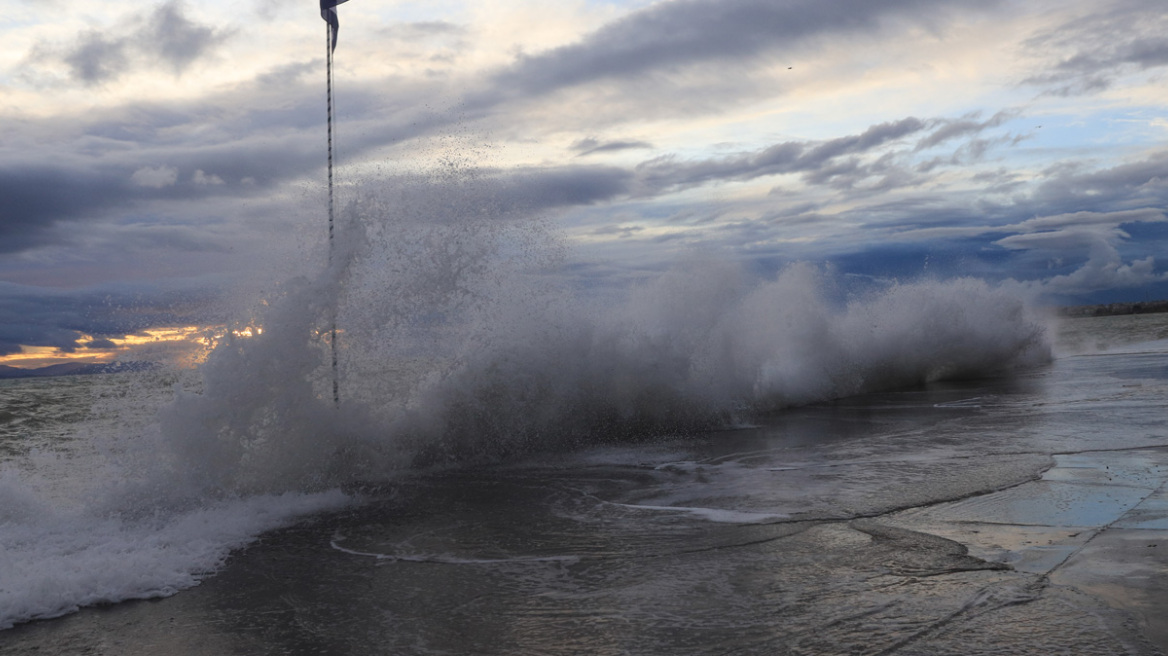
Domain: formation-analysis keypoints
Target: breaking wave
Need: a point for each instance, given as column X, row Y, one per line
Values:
column 463, row 338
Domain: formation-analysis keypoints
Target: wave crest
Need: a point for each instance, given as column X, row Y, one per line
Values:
column 462, row 341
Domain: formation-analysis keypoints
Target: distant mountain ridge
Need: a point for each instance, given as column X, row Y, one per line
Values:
column 74, row 369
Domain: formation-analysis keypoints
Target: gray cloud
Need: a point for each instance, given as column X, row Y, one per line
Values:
column 1099, row 47
column 566, row 186
column 175, row 38
column 1101, row 190
column 35, row 316
column 1104, row 267
column 37, row 197
column 95, row 58
column 671, row 35
column 964, row 127
column 268, row 9
column 41, row 198
column 592, row 146
column 257, row 146
column 79, row 191
column 100, row 344
column 819, row 161
column 1101, row 226
column 1046, row 229
column 288, row 74
column 1043, row 237
column 512, row 193
column 164, row 36
column 421, row 30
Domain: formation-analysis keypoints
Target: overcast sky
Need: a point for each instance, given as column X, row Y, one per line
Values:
column 153, row 154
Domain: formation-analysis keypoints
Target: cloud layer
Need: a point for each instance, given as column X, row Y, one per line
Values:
column 174, row 147
column 163, row 37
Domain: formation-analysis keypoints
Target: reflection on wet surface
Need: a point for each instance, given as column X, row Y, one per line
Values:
column 1023, row 517
column 1096, row 521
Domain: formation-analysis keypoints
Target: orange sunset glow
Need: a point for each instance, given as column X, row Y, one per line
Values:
column 182, row 346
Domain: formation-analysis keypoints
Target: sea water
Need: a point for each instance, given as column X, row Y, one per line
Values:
column 704, row 460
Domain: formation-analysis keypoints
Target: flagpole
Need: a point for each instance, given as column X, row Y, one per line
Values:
column 328, row 45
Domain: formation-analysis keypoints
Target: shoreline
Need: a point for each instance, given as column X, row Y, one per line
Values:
column 1113, row 309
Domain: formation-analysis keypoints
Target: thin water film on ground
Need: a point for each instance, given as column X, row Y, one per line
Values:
column 1021, row 515
column 705, row 463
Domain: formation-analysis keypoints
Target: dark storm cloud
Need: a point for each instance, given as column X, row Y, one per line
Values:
column 100, row 344
column 13, row 335
column 1099, row 47
column 161, row 160
column 256, row 138
column 35, row 316
column 269, row 136
column 40, row 199
column 35, row 198
column 686, row 32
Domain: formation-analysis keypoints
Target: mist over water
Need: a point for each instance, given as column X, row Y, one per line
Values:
column 462, row 341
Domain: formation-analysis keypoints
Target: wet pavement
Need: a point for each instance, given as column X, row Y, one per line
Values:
column 1021, row 516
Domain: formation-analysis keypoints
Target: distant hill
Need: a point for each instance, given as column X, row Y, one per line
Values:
column 74, row 369
column 1111, row 309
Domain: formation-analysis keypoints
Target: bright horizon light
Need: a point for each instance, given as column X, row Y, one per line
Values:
column 168, row 156
column 179, row 346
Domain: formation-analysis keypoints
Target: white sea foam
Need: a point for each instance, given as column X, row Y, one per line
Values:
column 54, row 561
column 461, row 341
column 446, row 559
column 716, row 515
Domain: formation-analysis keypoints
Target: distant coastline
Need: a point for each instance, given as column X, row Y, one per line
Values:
column 73, row 369
column 82, row 369
column 1113, row 309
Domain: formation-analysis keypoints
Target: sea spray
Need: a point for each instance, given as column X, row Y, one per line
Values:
column 578, row 376
column 99, row 517
column 461, row 341
column 59, row 560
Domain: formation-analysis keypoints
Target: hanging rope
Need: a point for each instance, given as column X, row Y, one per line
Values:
column 328, row 43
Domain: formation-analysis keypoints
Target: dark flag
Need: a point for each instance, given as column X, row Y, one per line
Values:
column 328, row 11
